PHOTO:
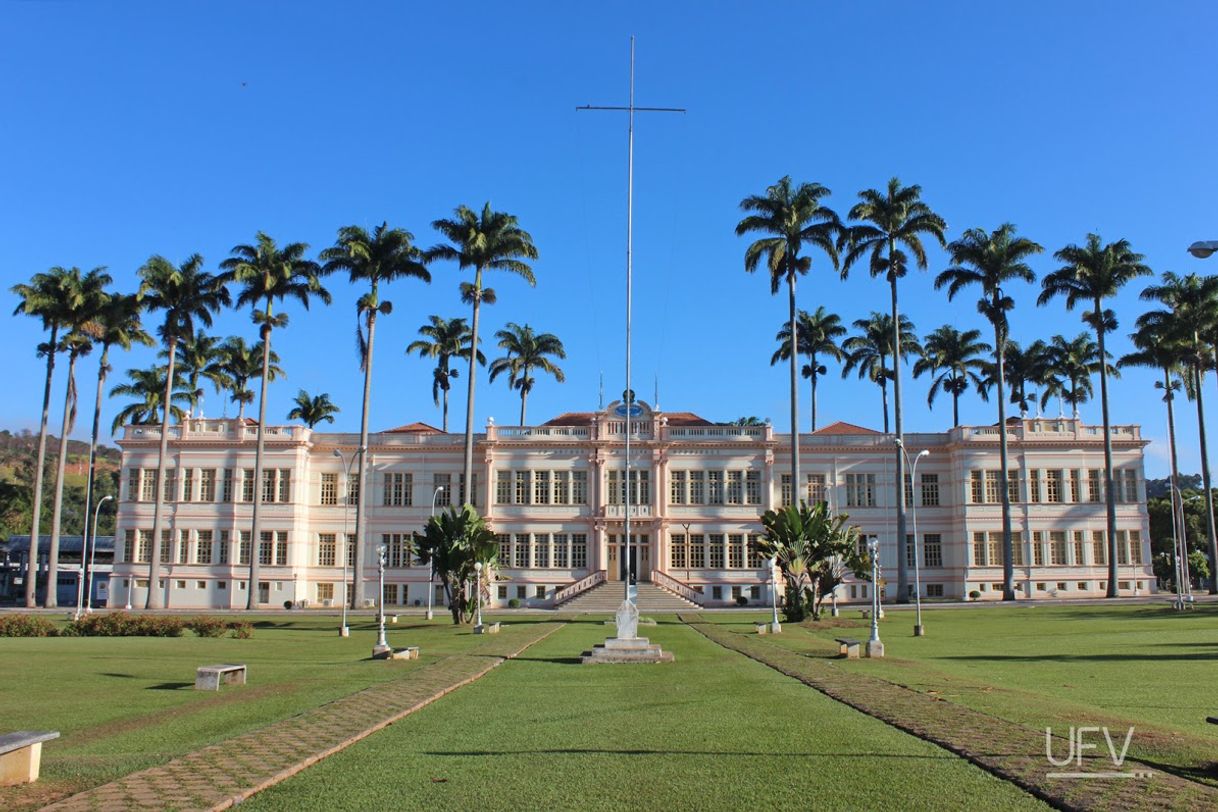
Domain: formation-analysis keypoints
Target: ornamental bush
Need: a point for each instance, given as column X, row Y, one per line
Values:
column 205, row 626
column 26, row 626
column 121, row 624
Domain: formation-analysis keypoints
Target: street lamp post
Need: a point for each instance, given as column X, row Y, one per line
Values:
column 344, row 630
column 1203, row 248
column 478, row 596
column 774, row 626
column 688, row 550
column 382, row 645
column 874, row 647
column 87, row 589
column 431, row 578
column 919, row 629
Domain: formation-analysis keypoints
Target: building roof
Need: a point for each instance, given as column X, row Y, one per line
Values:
column 67, row 544
column 414, row 428
column 842, row 427
column 582, row 418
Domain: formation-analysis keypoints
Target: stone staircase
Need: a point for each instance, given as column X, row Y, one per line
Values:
column 608, row 596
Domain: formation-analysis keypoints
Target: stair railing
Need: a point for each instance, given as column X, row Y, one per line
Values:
column 582, row 585
column 665, row 581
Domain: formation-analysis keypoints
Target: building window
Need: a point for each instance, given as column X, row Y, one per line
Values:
column 353, row 486
column 579, row 487
column 522, row 550
column 1076, row 484
column 697, row 488
column 398, row 487
column 541, row 550
column 503, row 487
column 397, row 549
column 1017, row 549
column 714, row 487
column 932, row 550
column 860, row 490
column 207, row 485
column 522, row 487
column 222, row 550
column 1099, row 550
column 1038, row 548
column 579, row 551
column 1079, row 547
column 991, row 486
column 930, row 490
column 735, row 551
column 735, row 487
column 978, row 549
column 247, row 485
column 266, row 548
column 1053, row 486
column 133, row 484
column 129, row 546
column 183, row 546
column 561, row 553
column 562, row 487
column 1095, row 489
column 148, row 486
column 473, row 493
column 268, row 485
column 505, row 548
column 976, row 487
column 785, row 496
column 756, row 561
column 934, row 590
column 188, row 485
column 171, row 487
column 1057, row 548
column 816, row 489
column 329, row 489
column 1135, row 546
column 327, row 550
column 325, row 592
column 1034, row 485
column 389, row 595
column 676, row 488
column 226, row 489
column 697, row 551
column 1131, row 485
column 243, row 551
column 715, row 542
column 443, row 482
column 166, row 543
column 541, row 487
column 677, row 550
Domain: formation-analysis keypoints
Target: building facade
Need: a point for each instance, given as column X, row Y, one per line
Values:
column 555, row 496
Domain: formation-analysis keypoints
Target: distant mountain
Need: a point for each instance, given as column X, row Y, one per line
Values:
column 1160, row 488
column 20, row 448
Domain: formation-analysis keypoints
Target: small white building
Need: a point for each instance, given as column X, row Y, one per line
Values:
column 555, row 495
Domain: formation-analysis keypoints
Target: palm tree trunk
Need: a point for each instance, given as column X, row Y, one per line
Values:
column 1110, row 493
column 52, row 598
column 154, row 598
column 444, row 398
column 797, row 489
column 955, row 409
column 1177, row 504
column 357, row 594
column 524, row 396
column 468, row 467
column 902, row 542
column 1205, row 482
column 813, row 376
column 89, row 529
column 1008, row 554
column 31, row 571
column 241, row 411
column 251, row 591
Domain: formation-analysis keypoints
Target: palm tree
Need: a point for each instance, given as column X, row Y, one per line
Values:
column 1160, row 350
column 1092, row 273
column 954, row 358
column 449, row 339
column 313, row 410
column 891, row 222
column 1192, row 311
column 266, row 274
column 118, row 326
column 199, row 358
column 185, row 293
column 526, row 351
column 790, row 217
column 385, row 255
column 991, row 261
column 43, row 299
column 492, row 240
column 241, row 364
column 870, row 350
column 1022, row 367
column 147, row 386
column 747, row 421
column 85, row 296
column 817, row 336
column 1069, row 365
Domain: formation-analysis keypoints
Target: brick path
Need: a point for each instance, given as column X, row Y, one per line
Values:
column 224, row 774
column 1004, row 748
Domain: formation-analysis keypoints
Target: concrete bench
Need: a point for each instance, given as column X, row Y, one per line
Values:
column 849, row 648
column 21, row 755
column 762, row 628
column 1213, row 720
column 209, row 677
column 489, row 628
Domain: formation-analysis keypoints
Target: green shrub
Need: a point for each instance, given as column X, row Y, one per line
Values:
column 514, row 603
column 742, row 600
column 205, row 626
column 242, row 629
column 26, row 626
column 974, row 594
column 121, row 624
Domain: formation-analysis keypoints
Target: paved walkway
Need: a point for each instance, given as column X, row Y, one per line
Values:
column 224, row 774
column 1002, row 747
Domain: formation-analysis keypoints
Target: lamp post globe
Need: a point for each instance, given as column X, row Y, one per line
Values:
column 1203, row 248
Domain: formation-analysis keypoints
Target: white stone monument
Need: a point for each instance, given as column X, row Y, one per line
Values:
column 627, row 647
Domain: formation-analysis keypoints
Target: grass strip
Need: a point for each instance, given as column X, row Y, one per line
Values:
column 1006, row 749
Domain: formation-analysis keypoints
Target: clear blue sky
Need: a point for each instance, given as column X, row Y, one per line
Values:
column 138, row 128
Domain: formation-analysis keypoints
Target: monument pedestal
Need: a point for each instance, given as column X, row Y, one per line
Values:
column 627, row 647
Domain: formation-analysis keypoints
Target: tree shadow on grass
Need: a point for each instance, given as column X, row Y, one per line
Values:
column 1080, row 658
column 556, row 660
column 170, row 686
column 594, row 751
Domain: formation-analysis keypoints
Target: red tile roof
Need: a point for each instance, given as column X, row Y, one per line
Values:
column 414, row 428
column 583, row 418
column 841, row 427
column 686, row 419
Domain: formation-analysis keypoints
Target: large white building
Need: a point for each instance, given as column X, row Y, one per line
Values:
column 554, row 493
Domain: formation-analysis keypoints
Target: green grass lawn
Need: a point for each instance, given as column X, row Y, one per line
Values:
column 714, row 730
column 126, row 703
column 1145, row 666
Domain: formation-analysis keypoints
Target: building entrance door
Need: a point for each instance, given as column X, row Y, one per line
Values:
column 625, row 559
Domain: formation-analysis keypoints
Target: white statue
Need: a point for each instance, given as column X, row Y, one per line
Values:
column 627, row 621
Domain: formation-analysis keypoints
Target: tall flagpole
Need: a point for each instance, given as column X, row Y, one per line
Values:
column 628, row 395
